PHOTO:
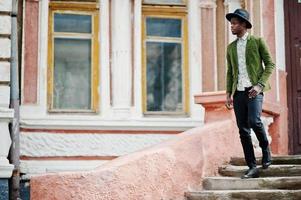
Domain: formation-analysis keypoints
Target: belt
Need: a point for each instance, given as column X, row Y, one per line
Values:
column 246, row 89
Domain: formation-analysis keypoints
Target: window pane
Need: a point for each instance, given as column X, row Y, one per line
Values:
column 164, row 76
column 72, row 74
column 164, row 1
column 163, row 27
column 72, row 23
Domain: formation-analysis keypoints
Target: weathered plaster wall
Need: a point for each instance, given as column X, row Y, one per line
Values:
column 164, row 171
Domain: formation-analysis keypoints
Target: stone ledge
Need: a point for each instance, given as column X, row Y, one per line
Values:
column 273, row 109
column 272, row 171
column 6, row 114
column 236, row 183
column 6, row 170
column 214, row 100
column 277, row 160
column 214, row 104
column 243, row 194
column 211, row 99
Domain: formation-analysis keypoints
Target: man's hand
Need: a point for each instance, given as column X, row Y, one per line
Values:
column 229, row 101
column 255, row 91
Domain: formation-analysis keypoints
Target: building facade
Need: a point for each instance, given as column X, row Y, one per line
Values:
column 101, row 79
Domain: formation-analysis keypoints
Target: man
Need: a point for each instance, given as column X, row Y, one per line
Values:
column 246, row 82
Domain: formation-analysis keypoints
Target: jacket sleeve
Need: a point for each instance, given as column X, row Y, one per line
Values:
column 267, row 60
column 229, row 73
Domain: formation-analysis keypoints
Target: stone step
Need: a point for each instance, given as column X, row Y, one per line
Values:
column 244, row 194
column 277, row 160
column 272, row 171
column 234, row 183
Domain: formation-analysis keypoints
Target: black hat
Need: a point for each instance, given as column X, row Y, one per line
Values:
column 242, row 14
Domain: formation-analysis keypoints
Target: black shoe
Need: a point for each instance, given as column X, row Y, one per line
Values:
column 266, row 158
column 265, row 165
column 251, row 173
column 246, row 172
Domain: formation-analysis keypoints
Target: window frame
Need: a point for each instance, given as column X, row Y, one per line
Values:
column 170, row 13
column 166, row 4
column 74, row 8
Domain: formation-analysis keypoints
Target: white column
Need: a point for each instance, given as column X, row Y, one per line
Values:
column 280, row 44
column 137, row 59
column 121, row 57
column 43, row 53
column 194, row 46
column 6, row 114
column 104, row 35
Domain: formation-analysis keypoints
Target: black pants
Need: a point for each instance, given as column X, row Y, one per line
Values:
column 247, row 111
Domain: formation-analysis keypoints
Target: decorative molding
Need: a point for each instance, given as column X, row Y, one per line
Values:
column 97, row 131
column 68, row 158
column 243, row 4
column 6, row 170
column 208, row 4
column 5, row 143
column 6, row 114
column 33, row 1
column 74, row 145
column 90, row 122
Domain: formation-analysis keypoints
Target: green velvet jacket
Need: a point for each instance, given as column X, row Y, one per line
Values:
column 256, row 53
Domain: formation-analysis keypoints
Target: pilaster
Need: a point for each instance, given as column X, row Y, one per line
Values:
column 208, row 39
column 121, row 59
column 31, row 44
column 6, row 114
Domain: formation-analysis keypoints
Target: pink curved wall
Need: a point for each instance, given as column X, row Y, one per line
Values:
column 164, row 171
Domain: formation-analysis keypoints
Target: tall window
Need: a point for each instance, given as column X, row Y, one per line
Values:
column 165, row 73
column 73, row 57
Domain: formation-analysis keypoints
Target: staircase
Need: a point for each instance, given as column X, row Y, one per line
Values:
column 281, row 181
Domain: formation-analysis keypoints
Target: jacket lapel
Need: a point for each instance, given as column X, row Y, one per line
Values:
column 248, row 45
column 235, row 58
